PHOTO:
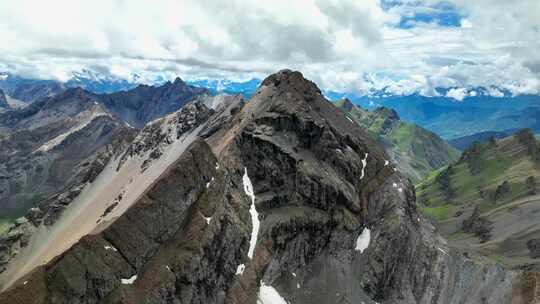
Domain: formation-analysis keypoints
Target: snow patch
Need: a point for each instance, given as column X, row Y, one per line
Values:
column 248, row 188
column 240, row 269
column 362, row 242
column 208, row 184
column 364, row 164
column 168, row 268
column 350, row 119
column 25, row 282
column 269, row 295
column 207, row 219
column 386, row 163
column 107, row 247
column 440, row 249
column 297, row 285
column 294, row 274
column 217, row 166
column 129, row 281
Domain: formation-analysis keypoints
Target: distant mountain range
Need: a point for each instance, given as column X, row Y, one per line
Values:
column 415, row 151
column 451, row 119
column 463, row 143
column 481, row 109
column 216, row 86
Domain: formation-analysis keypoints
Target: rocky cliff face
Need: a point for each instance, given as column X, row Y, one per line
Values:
column 285, row 201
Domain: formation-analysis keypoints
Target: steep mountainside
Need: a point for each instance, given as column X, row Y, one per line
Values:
column 415, row 151
column 487, row 201
column 285, row 201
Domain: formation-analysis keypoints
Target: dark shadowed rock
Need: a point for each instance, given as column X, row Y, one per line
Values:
column 3, row 101
column 534, row 248
column 503, row 191
column 478, row 226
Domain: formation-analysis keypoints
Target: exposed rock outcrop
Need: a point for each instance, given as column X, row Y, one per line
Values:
column 478, row 225
column 503, row 191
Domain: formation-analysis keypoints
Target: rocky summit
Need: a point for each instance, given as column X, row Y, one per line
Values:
column 279, row 199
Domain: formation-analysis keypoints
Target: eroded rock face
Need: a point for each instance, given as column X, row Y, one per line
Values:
column 319, row 183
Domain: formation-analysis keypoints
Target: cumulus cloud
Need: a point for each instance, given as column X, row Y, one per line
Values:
column 399, row 46
column 458, row 94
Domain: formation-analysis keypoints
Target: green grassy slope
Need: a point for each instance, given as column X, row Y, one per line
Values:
column 501, row 180
column 474, row 179
column 415, row 151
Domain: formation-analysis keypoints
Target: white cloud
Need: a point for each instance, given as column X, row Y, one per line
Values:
column 342, row 45
column 495, row 92
column 458, row 94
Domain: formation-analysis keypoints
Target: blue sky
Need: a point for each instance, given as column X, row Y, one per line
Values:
column 406, row 46
column 443, row 14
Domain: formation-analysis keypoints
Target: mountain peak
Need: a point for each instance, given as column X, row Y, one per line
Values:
column 347, row 104
column 287, row 80
column 387, row 112
column 179, row 81
column 73, row 92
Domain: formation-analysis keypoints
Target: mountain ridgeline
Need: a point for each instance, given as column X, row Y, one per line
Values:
column 281, row 199
column 415, row 151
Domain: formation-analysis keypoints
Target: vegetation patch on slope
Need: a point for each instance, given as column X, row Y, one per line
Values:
column 415, row 151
